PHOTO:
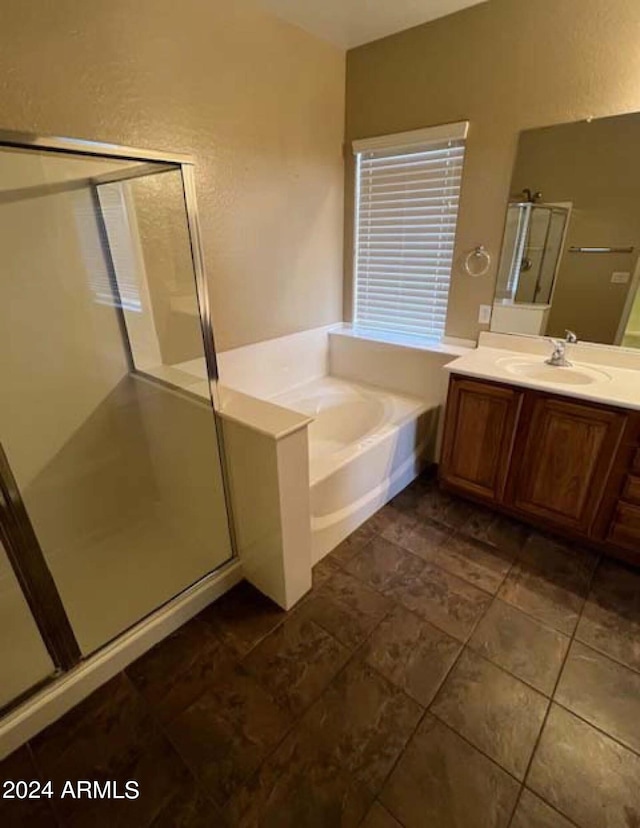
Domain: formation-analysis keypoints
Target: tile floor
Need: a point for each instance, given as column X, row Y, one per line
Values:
column 449, row 668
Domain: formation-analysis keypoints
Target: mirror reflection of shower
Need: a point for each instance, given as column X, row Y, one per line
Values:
column 534, row 238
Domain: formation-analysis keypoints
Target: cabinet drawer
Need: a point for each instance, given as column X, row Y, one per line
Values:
column 631, row 491
column 625, row 528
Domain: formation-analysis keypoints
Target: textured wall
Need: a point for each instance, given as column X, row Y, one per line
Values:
column 505, row 65
column 258, row 103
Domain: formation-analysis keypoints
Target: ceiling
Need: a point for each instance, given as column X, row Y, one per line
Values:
column 349, row 23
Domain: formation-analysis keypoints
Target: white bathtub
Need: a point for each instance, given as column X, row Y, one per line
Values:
column 365, row 445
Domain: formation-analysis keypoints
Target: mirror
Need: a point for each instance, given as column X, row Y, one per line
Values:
column 569, row 256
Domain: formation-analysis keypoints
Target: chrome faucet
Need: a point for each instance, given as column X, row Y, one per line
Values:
column 558, row 357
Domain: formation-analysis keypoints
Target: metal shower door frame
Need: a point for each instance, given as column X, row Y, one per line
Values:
column 16, row 531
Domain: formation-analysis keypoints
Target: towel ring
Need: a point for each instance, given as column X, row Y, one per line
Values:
column 479, row 252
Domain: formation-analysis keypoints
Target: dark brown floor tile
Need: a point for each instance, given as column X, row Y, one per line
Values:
column 479, row 521
column 379, row 817
column 610, row 620
column 586, row 775
column 159, row 773
column 242, row 617
column 189, row 808
column 301, row 785
column 425, row 538
column 111, row 725
column 110, row 737
column 521, row 645
column 23, row 813
column 296, row 661
column 228, row 731
column 346, row 608
column 448, row 602
column 550, row 582
column 443, row 781
column 541, row 598
column 568, row 564
column 412, row 654
column 497, row 713
column 603, row 692
column 382, row 565
column 435, row 504
column 323, row 570
column 476, row 562
column 532, row 812
column 385, row 518
column 364, row 721
column 349, row 547
column 497, row 530
column 176, row 671
column 409, row 498
column 398, row 530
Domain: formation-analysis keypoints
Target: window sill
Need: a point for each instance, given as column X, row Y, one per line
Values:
column 457, row 347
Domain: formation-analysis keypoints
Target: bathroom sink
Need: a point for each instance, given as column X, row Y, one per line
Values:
column 537, row 369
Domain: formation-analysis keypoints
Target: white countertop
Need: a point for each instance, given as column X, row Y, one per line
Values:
column 618, row 387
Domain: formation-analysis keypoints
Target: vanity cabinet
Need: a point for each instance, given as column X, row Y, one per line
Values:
column 562, row 464
column 477, row 444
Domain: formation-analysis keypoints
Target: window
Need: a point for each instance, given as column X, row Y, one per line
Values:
column 407, row 194
column 110, row 202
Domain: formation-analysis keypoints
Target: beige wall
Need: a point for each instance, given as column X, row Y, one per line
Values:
column 505, row 65
column 596, row 166
column 257, row 102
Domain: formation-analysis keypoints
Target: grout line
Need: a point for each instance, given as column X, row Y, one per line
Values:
column 452, row 532
column 476, row 748
column 548, row 804
column 395, row 764
column 616, row 739
column 357, row 653
column 463, row 649
column 428, row 710
column 449, row 534
column 297, row 719
column 495, row 596
column 591, row 646
column 555, row 688
column 543, row 624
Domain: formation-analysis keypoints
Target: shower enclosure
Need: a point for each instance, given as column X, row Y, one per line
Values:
column 112, row 494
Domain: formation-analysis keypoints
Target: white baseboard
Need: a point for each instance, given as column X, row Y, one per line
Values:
column 53, row 701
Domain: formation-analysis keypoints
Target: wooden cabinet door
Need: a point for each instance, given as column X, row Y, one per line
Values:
column 480, row 426
column 562, row 460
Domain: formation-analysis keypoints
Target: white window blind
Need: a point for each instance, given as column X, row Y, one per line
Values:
column 407, row 194
column 115, row 218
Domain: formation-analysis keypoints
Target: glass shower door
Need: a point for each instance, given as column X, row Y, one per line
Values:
column 24, row 659
column 107, row 419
